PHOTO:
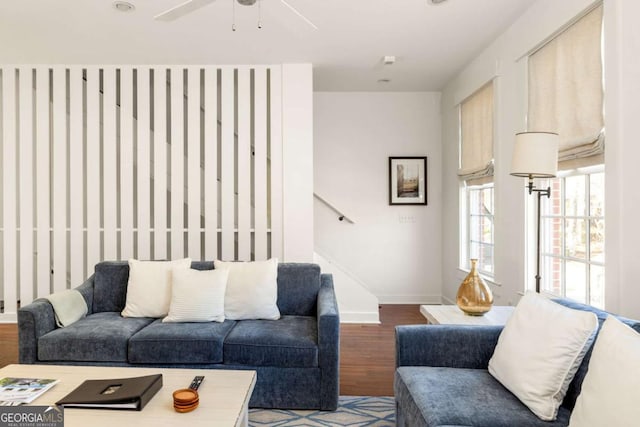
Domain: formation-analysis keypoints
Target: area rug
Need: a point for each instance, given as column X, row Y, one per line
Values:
column 356, row 411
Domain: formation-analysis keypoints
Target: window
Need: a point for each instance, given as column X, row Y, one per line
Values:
column 566, row 95
column 480, row 226
column 476, row 174
column 572, row 246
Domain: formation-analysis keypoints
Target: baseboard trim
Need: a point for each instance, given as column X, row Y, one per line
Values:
column 410, row 299
column 8, row 318
column 446, row 300
column 360, row 317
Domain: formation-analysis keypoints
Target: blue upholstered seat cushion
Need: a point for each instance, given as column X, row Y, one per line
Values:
column 432, row 396
column 179, row 342
column 100, row 337
column 290, row 342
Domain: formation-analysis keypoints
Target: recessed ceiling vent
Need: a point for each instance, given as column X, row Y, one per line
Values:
column 123, row 6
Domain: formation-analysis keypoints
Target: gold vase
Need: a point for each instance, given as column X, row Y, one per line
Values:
column 474, row 296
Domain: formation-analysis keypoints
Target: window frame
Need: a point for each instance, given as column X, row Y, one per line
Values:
column 465, row 253
column 588, row 217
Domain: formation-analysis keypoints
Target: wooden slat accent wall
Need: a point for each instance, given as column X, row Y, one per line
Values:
column 244, row 165
column 119, row 162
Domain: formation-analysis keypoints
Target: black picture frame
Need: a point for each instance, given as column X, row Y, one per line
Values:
column 408, row 180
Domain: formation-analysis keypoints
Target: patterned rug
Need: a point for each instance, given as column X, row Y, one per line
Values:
column 353, row 411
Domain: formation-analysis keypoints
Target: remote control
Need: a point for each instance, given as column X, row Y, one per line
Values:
column 196, row 382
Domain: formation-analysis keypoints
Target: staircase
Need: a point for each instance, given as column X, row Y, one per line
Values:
column 355, row 302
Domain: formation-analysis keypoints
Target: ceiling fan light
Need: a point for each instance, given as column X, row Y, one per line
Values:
column 436, row 1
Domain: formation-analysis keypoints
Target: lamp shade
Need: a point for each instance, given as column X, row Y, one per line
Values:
column 535, row 155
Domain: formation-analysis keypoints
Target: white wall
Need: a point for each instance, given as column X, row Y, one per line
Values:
column 622, row 109
column 393, row 250
column 503, row 60
column 297, row 159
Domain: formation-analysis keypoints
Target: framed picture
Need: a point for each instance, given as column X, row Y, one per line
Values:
column 407, row 180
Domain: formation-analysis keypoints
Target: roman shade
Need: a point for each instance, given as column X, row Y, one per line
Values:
column 566, row 91
column 476, row 137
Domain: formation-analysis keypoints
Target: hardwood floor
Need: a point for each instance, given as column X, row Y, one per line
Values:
column 8, row 344
column 367, row 352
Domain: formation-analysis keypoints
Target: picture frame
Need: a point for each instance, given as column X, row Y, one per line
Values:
column 408, row 181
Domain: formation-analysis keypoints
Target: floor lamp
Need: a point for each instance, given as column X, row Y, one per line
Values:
column 535, row 155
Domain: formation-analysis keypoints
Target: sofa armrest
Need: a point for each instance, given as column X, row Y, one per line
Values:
column 37, row 318
column 34, row 320
column 328, row 343
column 86, row 290
column 452, row 346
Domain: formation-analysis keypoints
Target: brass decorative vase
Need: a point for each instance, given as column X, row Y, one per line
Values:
column 474, row 296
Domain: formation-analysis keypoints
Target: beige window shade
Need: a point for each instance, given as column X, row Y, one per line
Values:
column 566, row 91
column 476, row 136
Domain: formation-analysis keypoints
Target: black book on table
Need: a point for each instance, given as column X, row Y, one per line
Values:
column 122, row 393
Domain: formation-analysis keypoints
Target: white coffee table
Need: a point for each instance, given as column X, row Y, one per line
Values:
column 452, row 315
column 224, row 395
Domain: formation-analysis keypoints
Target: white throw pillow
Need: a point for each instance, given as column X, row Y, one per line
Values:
column 149, row 287
column 252, row 290
column 609, row 395
column 540, row 350
column 197, row 296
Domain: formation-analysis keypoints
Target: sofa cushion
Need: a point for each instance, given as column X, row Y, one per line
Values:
column 149, row 287
column 298, row 286
column 197, row 296
column 110, row 286
column 290, row 342
column 100, row 337
column 576, row 385
column 537, row 360
column 252, row 289
column 179, row 342
column 610, row 390
column 430, row 396
column 202, row 265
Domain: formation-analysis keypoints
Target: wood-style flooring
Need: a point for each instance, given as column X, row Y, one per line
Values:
column 367, row 352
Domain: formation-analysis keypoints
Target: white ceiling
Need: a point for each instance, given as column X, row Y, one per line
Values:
column 431, row 42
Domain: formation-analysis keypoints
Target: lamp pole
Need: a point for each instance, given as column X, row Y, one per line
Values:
column 540, row 192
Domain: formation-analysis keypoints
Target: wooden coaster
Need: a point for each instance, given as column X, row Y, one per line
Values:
column 180, row 405
column 185, row 400
column 185, row 395
column 186, row 408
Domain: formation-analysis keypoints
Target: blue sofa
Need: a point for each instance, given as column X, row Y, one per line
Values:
column 442, row 379
column 296, row 357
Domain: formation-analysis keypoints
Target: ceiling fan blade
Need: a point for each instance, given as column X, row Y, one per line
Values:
column 297, row 12
column 181, row 10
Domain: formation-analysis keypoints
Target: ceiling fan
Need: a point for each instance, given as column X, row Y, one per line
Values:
column 192, row 5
